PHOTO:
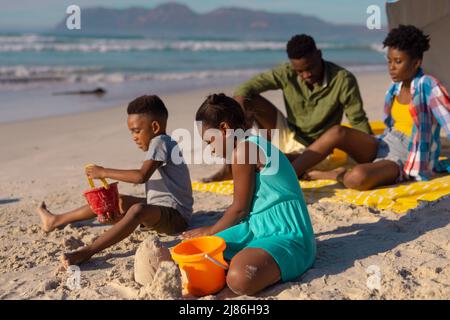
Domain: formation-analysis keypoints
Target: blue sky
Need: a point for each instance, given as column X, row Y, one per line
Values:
column 38, row 14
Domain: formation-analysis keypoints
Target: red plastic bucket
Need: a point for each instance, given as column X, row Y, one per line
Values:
column 104, row 202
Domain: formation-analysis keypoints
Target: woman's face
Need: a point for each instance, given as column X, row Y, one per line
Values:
column 401, row 66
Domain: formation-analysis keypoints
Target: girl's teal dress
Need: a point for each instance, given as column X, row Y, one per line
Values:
column 278, row 221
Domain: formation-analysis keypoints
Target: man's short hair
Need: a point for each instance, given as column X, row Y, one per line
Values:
column 300, row 46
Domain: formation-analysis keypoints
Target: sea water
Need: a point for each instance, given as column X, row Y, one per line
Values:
column 33, row 67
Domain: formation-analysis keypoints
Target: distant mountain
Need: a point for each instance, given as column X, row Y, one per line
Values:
column 177, row 20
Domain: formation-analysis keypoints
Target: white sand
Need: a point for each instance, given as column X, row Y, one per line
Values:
column 44, row 160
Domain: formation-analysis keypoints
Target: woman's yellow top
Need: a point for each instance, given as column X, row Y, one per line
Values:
column 403, row 121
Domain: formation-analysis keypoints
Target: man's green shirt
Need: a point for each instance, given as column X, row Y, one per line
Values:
column 311, row 112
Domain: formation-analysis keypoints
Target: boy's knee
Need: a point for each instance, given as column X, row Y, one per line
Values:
column 136, row 211
column 240, row 281
column 357, row 179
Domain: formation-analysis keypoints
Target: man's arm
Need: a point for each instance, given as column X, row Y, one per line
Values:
column 131, row 176
column 269, row 80
column 353, row 105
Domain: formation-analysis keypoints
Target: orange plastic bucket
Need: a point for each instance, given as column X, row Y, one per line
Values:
column 202, row 264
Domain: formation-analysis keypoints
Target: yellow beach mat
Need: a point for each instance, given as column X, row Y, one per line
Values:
column 399, row 198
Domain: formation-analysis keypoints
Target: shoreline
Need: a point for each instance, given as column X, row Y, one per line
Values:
column 115, row 94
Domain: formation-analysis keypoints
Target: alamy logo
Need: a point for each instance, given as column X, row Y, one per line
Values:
column 374, row 19
column 73, row 21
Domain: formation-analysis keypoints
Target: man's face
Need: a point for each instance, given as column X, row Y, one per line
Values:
column 140, row 126
column 309, row 68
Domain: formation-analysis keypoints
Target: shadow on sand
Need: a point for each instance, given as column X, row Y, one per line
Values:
column 338, row 253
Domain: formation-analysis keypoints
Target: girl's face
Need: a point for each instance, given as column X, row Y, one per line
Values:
column 401, row 66
column 217, row 140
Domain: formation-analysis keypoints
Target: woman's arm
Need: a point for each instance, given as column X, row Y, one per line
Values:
column 131, row 176
column 244, row 185
column 439, row 103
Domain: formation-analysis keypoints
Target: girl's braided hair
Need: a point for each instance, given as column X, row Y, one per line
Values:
column 219, row 108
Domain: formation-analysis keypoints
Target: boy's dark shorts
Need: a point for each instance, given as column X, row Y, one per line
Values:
column 171, row 222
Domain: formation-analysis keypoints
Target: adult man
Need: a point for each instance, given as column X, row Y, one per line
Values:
column 316, row 93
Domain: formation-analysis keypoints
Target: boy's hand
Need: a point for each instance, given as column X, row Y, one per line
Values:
column 199, row 232
column 95, row 172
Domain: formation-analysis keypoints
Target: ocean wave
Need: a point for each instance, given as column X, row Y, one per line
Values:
column 367, row 68
column 24, row 74
column 140, row 45
column 36, row 43
column 378, row 47
column 26, row 38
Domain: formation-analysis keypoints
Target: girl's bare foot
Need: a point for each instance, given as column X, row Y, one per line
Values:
column 47, row 218
column 75, row 257
column 324, row 175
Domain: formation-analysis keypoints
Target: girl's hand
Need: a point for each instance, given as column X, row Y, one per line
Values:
column 95, row 172
column 199, row 232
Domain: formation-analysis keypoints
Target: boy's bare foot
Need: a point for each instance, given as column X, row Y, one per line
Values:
column 47, row 218
column 223, row 174
column 324, row 175
column 75, row 257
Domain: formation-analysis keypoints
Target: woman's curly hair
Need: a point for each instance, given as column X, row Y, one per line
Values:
column 408, row 38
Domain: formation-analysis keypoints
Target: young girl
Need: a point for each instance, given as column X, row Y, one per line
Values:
column 416, row 107
column 267, row 228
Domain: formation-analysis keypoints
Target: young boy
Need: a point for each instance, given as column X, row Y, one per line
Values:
column 168, row 206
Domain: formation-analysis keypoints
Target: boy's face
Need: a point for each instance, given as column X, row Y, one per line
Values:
column 143, row 129
column 401, row 66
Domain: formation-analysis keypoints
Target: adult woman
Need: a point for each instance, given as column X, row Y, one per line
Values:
column 416, row 107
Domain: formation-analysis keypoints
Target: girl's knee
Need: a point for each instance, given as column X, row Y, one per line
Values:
column 241, row 280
